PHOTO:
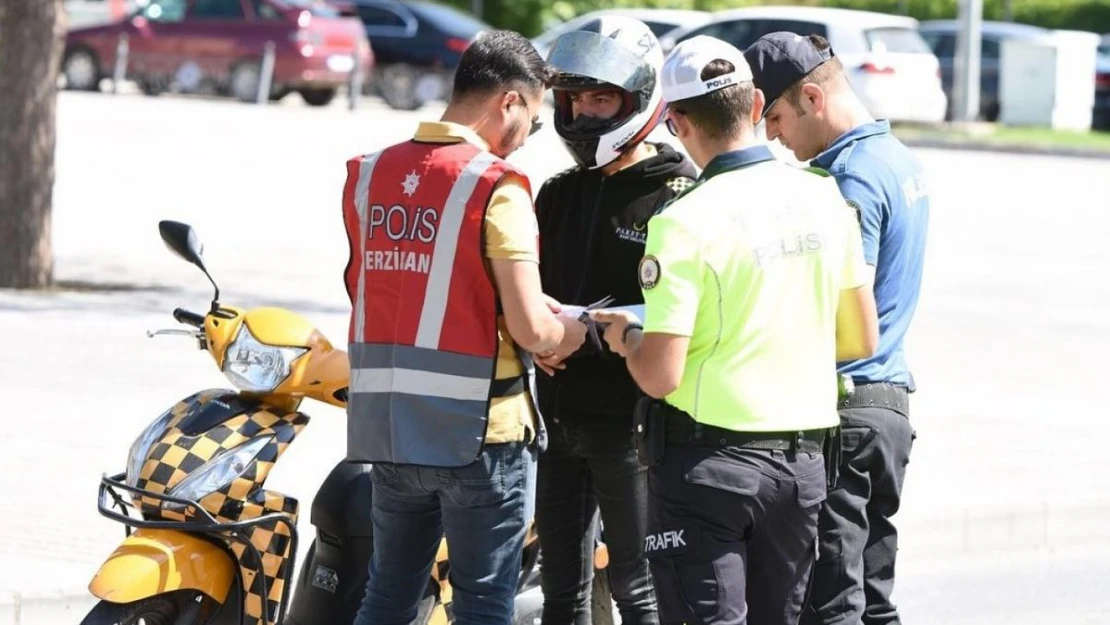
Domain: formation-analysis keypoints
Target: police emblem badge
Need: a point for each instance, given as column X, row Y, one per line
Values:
column 649, row 272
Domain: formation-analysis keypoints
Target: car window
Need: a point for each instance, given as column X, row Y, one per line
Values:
column 164, row 11
column 449, row 20
column 794, row 26
column 897, row 40
column 944, row 46
column 265, row 11
column 989, row 48
column 660, row 28
column 380, row 17
column 315, row 7
column 740, row 33
column 217, row 9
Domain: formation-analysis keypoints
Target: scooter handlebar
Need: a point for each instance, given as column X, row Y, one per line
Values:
column 190, row 318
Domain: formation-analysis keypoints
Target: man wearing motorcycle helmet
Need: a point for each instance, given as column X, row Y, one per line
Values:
column 592, row 232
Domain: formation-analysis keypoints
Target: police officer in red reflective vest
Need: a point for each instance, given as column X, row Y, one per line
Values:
column 446, row 311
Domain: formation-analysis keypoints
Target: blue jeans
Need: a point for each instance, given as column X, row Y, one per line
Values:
column 482, row 509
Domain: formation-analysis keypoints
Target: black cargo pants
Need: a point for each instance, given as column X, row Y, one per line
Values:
column 591, row 465
column 854, row 575
column 732, row 533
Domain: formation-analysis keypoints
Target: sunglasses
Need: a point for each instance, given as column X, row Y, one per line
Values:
column 535, row 121
column 669, row 122
column 536, row 124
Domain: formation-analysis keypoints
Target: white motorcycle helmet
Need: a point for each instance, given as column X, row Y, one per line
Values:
column 611, row 52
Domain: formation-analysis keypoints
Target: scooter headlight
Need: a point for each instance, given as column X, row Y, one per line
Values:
column 136, row 457
column 256, row 367
column 218, row 472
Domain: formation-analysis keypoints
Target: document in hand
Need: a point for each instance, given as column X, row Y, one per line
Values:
column 579, row 312
column 637, row 310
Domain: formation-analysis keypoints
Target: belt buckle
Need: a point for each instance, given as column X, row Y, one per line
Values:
column 799, row 437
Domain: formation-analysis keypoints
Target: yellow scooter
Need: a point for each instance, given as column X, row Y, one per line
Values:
column 206, row 543
column 210, row 544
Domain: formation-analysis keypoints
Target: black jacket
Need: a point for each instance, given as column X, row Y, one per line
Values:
column 592, row 235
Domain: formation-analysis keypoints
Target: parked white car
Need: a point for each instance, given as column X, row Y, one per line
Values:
column 888, row 63
column 660, row 21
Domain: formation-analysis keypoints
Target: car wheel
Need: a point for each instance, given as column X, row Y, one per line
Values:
column 992, row 110
column 152, row 85
column 81, row 69
column 243, row 83
column 317, row 97
column 397, row 85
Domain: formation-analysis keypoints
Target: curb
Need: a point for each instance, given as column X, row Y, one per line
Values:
column 44, row 607
column 1017, row 148
column 1033, row 526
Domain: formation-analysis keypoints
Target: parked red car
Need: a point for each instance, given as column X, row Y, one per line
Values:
column 219, row 45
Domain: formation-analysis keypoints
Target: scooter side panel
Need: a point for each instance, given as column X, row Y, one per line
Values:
column 151, row 562
column 181, row 451
column 178, row 451
column 275, row 544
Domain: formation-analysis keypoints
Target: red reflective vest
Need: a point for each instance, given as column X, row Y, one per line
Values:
column 423, row 329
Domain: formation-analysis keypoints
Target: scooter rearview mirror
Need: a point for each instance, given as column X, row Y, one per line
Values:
column 182, row 240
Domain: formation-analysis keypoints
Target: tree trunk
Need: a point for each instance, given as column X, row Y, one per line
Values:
column 31, row 39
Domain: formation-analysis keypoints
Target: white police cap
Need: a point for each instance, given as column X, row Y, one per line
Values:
column 683, row 66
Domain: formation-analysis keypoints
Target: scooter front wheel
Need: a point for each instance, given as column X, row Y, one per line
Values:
column 157, row 610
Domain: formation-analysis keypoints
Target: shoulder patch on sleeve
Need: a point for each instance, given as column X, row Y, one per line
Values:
column 678, row 184
column 649, row 272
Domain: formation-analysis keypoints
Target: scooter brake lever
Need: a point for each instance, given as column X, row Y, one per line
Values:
column 178, row 331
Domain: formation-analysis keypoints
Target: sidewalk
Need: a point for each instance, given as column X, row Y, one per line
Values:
column 1008, row 345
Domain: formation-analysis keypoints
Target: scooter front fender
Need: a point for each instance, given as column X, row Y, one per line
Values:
column 151, row 562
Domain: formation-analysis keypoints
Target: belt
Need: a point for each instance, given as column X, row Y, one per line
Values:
column 878, row 395
column 683, row 430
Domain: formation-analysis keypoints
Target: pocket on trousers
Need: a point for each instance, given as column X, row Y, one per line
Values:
column 702, row 582
column 686, row 589
column 811, row 489
column 725, row 475
column 479, row 483
column 855, row 436
column 384, row 474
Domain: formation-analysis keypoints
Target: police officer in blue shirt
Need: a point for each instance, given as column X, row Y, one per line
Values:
column 812, row 110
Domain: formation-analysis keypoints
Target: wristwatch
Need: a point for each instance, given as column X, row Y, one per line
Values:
column 627, row 328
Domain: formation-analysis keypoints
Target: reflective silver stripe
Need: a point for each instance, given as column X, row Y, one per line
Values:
column 416, row 382
column 387, row 356
column 443, row 258
column 362, row 197
column 413, row 429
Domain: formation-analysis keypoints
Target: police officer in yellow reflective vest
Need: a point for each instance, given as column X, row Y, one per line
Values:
column 754, row 286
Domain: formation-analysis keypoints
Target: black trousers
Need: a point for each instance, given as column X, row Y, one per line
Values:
column 732, row 534
column 590, row 463
column 854, row 575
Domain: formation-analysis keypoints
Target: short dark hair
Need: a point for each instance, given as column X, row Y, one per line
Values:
column 500, row 59
column 821, row 75
column 723, row 113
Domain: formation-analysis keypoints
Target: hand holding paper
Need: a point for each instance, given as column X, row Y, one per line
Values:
column 615, row 320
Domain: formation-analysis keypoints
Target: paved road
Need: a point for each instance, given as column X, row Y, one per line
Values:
column 1008, row 490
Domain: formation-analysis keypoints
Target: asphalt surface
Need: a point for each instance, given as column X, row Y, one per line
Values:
column 1008, row 491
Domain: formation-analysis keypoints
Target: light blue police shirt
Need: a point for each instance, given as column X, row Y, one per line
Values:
column 884, row 182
